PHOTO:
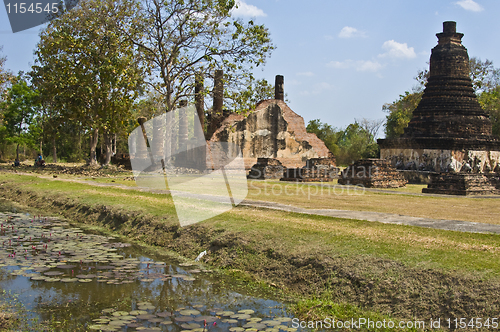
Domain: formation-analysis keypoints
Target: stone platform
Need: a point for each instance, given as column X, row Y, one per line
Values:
column 464, row 184
column 372, row 173
column 266, row 168
column 316, row 170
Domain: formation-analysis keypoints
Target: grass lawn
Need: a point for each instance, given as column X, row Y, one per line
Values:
column 392, row 270
column 305, row 233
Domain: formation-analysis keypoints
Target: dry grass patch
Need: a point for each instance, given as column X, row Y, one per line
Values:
column 476, row 209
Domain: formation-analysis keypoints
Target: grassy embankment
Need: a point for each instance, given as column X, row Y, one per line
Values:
column 406, row 201
column 345, row 268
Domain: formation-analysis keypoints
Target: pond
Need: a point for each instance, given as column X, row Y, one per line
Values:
column 81, row 281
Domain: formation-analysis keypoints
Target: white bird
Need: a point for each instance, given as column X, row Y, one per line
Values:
column 203, row 253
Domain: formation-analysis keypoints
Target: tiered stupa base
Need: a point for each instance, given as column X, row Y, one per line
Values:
column 316, row 170
column 266, row 168
column 372, row 173
column 464, row 184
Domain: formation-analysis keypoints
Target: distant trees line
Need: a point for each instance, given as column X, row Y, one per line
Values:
column 104, row 63
column 101, row 65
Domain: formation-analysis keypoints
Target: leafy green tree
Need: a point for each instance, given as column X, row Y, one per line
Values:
column 490, row 102
column 245, row 100
column 88, row 72
column 486, row 81
column 5, row 76
column 328, row 134
column 4, row 79
column 188, row 37
column 400, row 113
column 356, row 143
column 485, row 77
column 19, row 109
column 347, row 145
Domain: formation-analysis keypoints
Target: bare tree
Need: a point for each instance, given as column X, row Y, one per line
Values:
column 371, row 126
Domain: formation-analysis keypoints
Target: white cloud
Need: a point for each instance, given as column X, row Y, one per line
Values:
column 359, row 65
column 293, row 82
column 350, row 32
column 245, row 10
column 329, row 37
column 398, row 50
column 317, row 89
column 340, row 64
column 372, row 66
column 306, row 73
column 470, row 5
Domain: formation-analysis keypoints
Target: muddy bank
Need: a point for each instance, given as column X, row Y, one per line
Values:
column 372, row 283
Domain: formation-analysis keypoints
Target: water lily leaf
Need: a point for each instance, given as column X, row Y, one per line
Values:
column 246, row 311
column 190, row 326
column 189, row 312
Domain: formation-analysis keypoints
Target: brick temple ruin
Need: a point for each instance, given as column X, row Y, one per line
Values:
column 273, row 131
column 315, row 170
column 272, row 138
column 450, row 134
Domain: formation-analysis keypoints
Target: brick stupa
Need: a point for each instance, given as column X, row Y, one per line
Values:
column 449, row 131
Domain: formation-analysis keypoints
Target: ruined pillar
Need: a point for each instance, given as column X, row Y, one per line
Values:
column 158, row 138
column 218, row 92
column 216, row 115
column 199, row 99
column 279, row 89
column 199, row 134
column 183, row 126
column 141, row 151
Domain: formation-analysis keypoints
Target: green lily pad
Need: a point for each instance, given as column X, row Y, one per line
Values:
column 190, row 326
column 240, row 316
column 138, row 312
column 254, row 319
column 189, row 312
column 283, row 319
column 246, row 311
column 96, row 327
column 271, row 322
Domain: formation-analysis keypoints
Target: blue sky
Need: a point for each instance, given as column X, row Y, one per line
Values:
column 342, row 60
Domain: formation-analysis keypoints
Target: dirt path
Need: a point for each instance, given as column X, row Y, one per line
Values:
column 389, row 218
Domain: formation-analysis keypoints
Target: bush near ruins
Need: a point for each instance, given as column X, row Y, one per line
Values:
column 357, row 141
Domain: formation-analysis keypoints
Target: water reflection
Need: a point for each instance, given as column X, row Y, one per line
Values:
column 91, row 282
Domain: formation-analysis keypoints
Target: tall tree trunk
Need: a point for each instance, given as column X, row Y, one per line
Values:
column 54, row 150
column 93, row 145
column 17, row 152
column 108, row 145
column 79, row 146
